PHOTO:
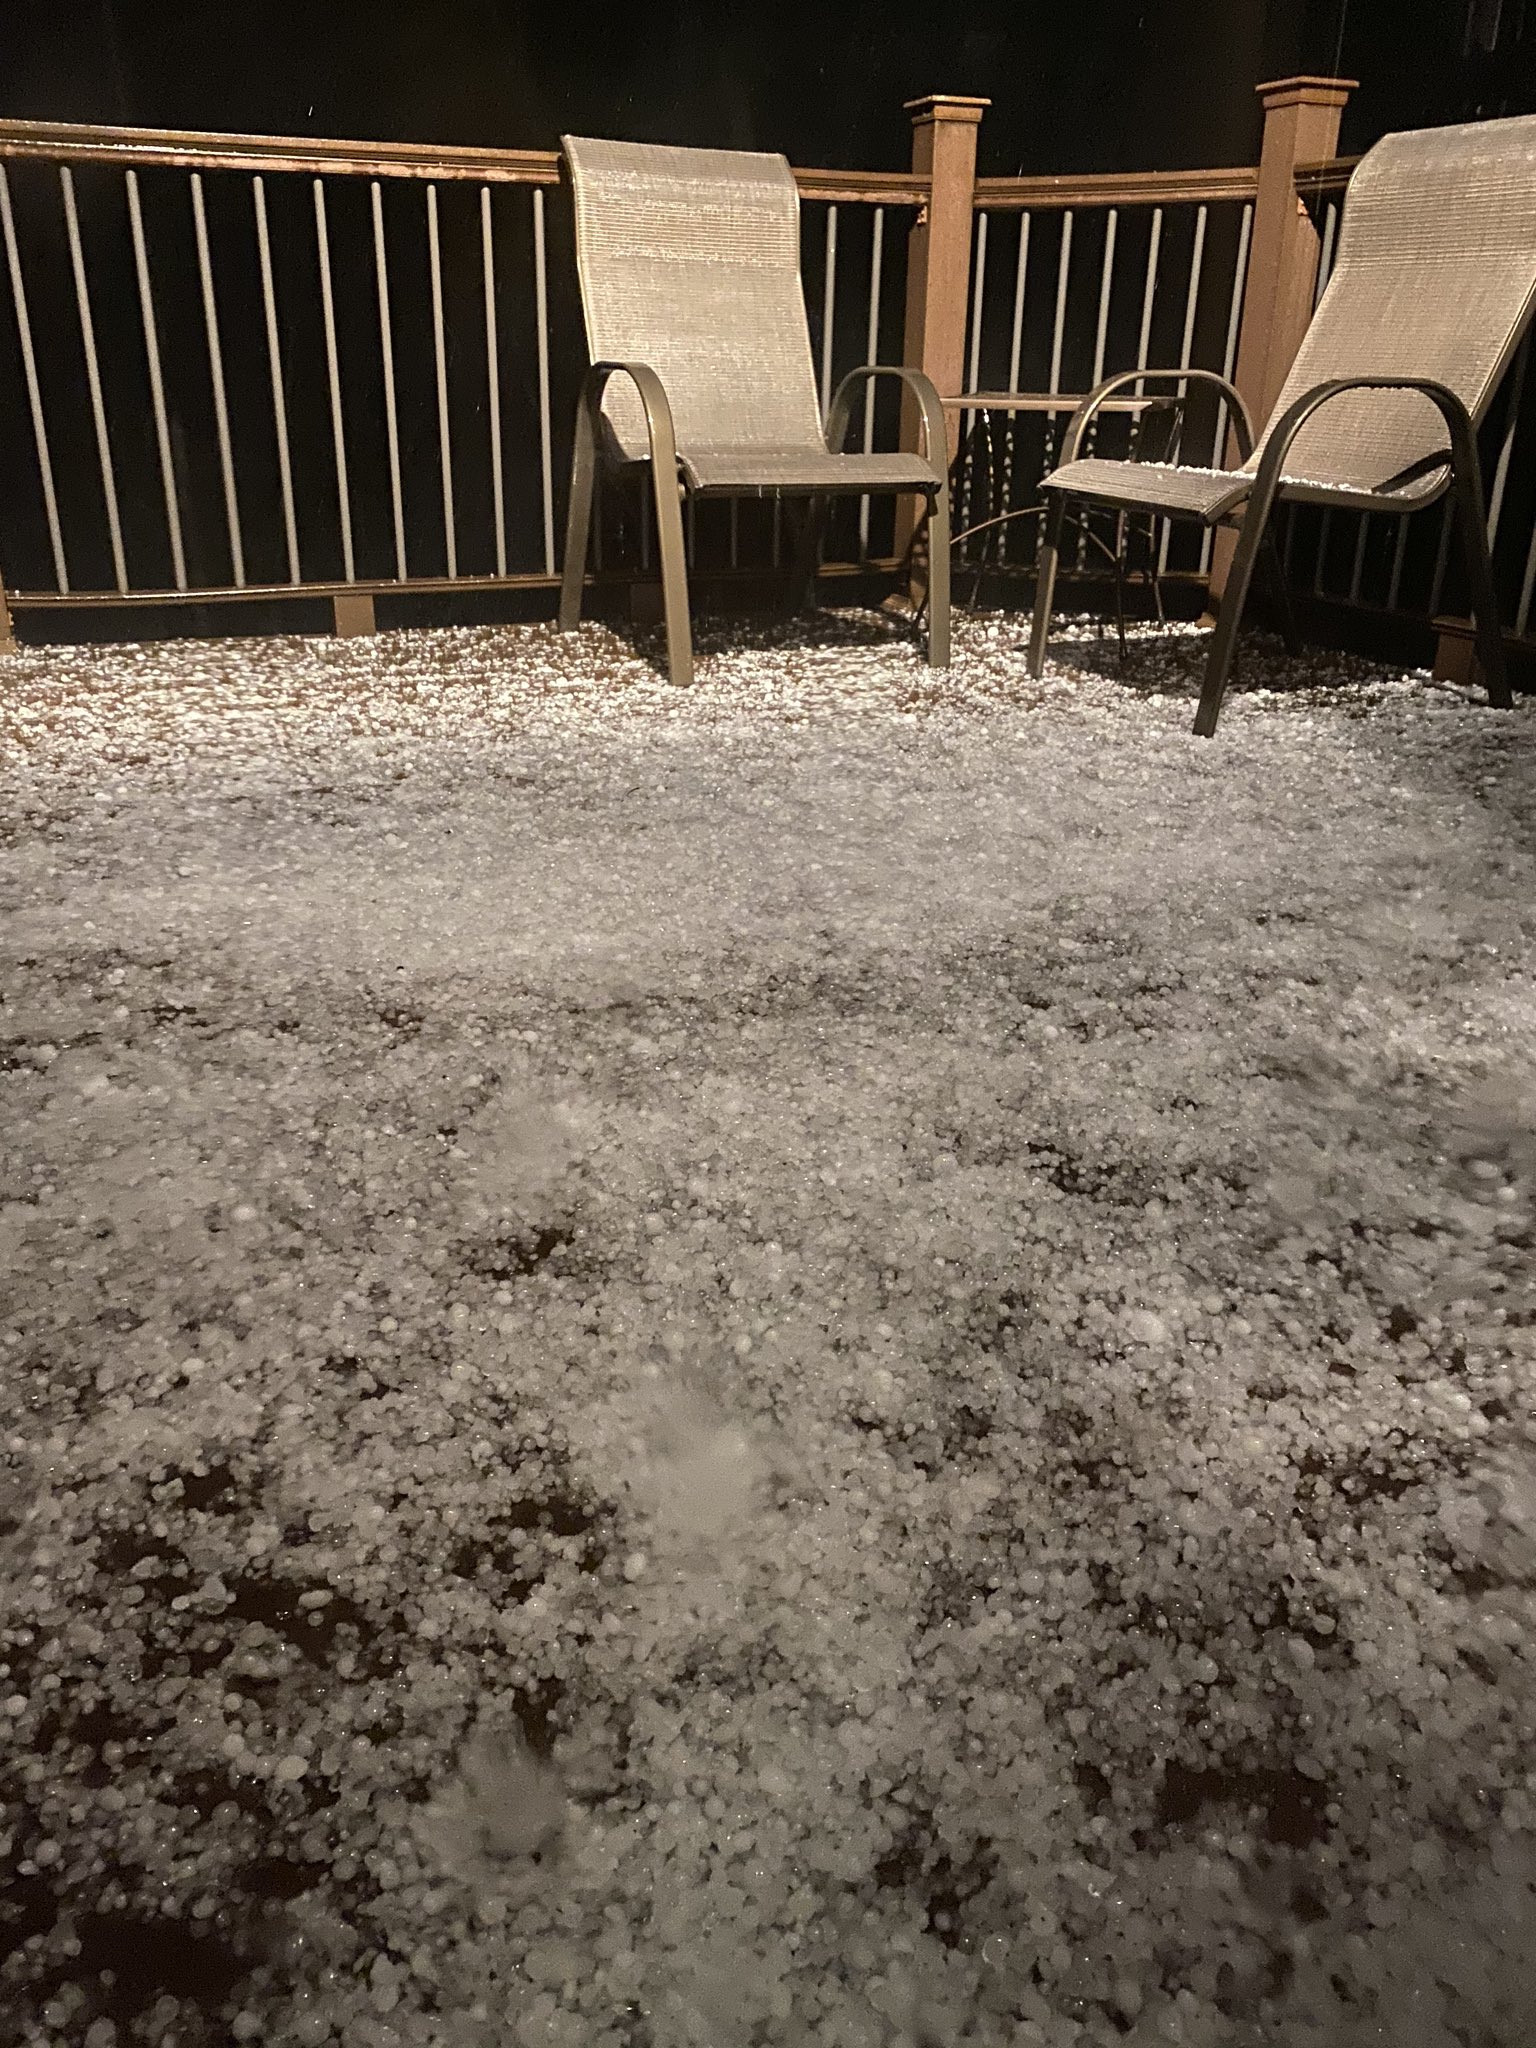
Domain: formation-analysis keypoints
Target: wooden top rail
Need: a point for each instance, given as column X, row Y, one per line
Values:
column 865, row 188
column 1118, row 188
column 190, row 150
column 1325, row 179
column 193, row 150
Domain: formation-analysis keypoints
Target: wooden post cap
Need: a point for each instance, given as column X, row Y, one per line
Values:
column 945, row 106
column 1305, row 92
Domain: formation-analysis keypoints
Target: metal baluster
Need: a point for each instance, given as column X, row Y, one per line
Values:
column 34, row 389
column 275, row 365
column 1527, row 588
column 1442, row 558
column 1015, row 350
column 93, row 377
column 440, row 353
column 1235, row 310
column 828, row 298
column 1148, row 294
column 1357, row 568
column 1324, row 527
column 1324, row 272
column 1191, row 301
column 968, row 419
column 1229, row 358
column 541, row 318
column 1020, row 276
column 333, row 370
column 1507, row 445
column 1144, row 336
column 1192, row 296
column 828, row 309
column 1106, row 280
column 871, row 355
column 387, row 357
column 978, row 292
column 216, row 374
column 1398, row 553
column 493, row 379
column 1325, row 256
column 156, row 382
column 1063, row 264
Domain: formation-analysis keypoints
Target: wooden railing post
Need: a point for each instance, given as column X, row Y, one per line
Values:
column 939, row 260
column 939, row 247
column 1301, row 125
column 353, row 615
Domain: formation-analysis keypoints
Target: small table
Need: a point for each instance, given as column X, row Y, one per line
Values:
column 1038, row 401
column 1051, row 403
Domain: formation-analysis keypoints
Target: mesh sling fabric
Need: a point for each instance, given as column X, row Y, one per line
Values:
column 1435, row 277
column 689, row 261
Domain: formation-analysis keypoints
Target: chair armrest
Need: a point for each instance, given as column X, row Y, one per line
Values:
column 1451, row 408
column 1081, row 420
column 653, row 398
column 929, row 405
column 1278, row 440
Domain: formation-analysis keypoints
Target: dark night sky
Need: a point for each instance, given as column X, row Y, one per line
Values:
column 1104, row 85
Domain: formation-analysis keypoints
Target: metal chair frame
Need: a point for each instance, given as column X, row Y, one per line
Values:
column 670, row 488
column 1464, row 481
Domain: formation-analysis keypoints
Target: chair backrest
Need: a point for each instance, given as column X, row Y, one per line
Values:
column 1435, row 277
column 689, row 260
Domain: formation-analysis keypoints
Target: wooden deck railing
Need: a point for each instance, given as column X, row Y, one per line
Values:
column 58, row 142
column 271, row 367
column 152, row 445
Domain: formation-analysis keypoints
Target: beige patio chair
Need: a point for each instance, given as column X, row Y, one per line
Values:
column 689, row 264
column 1427, row 302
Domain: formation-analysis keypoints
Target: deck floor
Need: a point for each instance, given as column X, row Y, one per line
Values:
column 843, row 1359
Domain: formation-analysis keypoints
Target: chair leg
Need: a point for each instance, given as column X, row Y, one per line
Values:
column 673, row 555
column 1045, row 580
column 938, row 578
column 578, row 519
column 1223, row 647
column 1119, row 567
column 1485, row 605
column 1153, row 541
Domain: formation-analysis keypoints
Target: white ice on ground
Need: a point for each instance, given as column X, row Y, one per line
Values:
column 843, row 1358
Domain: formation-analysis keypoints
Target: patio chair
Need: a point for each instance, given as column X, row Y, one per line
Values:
column 1433, row 287
column 689, row 265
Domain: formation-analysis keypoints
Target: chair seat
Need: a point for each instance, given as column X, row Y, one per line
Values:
column 1204, row 494
column 765, row 471
column 1210, row 495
